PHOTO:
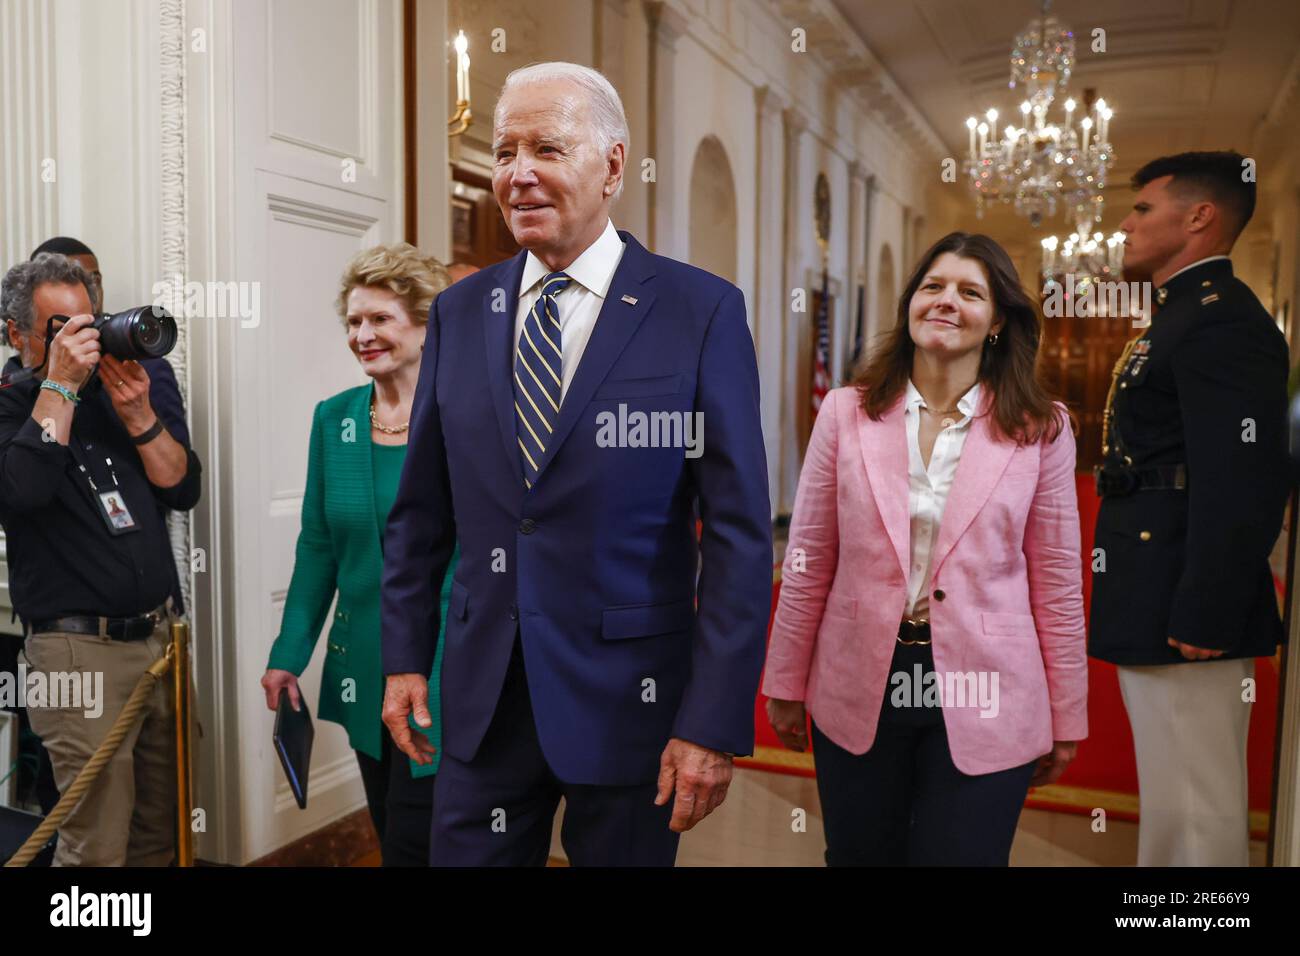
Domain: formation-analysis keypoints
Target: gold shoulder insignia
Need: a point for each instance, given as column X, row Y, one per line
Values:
column 1212, row 297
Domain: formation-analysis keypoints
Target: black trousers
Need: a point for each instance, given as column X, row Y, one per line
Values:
column 904, row 802
column 401, row 806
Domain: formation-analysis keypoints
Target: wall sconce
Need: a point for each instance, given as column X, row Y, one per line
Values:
column 461, row 119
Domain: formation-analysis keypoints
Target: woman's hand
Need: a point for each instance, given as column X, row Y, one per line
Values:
column 790, row 721
column 1052, row 765
column 273, row 680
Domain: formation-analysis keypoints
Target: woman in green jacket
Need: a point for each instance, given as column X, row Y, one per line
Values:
column 358, row 444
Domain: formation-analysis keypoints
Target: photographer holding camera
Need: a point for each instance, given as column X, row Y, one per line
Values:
column 85, row 463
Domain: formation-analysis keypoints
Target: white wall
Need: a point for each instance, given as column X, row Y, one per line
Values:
column 288, row 92
column 79, row 156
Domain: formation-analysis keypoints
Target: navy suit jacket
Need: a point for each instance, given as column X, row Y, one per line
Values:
column 632, row 629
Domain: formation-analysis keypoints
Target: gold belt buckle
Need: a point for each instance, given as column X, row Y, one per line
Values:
column 908, row 620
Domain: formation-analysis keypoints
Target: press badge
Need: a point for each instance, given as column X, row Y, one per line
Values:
column 112, row 503
column 116, row 513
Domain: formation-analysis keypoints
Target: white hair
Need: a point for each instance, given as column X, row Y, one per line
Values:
column 609, row 122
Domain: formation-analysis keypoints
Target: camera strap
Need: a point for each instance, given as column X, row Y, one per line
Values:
column 25, row 374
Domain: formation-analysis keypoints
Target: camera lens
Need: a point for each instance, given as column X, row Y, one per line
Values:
column 140, row 333
column 148, row 332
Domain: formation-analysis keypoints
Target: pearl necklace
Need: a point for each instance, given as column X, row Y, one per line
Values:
column 387, row 429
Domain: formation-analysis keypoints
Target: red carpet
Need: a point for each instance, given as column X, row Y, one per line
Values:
column 1104, row 774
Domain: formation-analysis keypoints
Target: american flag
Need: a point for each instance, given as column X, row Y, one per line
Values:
column 821, row 369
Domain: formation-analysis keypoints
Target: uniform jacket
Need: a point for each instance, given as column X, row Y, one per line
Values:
column 1206, row 387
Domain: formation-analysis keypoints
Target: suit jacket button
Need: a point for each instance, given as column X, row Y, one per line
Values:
column 528, row 526
column 939, row 595
column 1145, row 535
column 514, row 613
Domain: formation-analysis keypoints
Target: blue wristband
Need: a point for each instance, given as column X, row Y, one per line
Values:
column 66, row 392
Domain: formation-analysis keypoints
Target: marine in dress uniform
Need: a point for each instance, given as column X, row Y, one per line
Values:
column 1193, row 487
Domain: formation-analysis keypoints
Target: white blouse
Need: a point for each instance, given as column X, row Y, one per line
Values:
column 927, row 490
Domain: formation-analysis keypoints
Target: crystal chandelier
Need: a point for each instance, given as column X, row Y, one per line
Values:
column 1084, row 259
column 1041, row 165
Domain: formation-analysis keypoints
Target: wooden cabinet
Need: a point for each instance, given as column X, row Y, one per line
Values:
column 1076, row 359
column 479, row 235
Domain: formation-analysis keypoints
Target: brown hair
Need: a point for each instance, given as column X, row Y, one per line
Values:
column 403, row 270
column 1022, row 410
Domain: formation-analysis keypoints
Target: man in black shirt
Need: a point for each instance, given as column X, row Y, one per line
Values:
column 84, row 465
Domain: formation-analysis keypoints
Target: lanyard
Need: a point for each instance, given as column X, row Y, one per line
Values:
column 85, row 449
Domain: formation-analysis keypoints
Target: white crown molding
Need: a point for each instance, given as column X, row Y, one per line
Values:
column 852, row 65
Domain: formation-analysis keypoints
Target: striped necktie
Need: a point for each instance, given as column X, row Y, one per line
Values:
column 539, row 371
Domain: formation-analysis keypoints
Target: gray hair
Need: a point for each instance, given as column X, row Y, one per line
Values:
column 608, row 119
column 21, row 282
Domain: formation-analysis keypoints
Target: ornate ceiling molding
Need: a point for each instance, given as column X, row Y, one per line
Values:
column 852, row 65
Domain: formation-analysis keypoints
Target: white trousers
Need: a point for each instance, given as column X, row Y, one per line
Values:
column 1189, row 730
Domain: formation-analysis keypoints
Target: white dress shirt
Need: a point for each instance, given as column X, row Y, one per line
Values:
column 579, row 302
column 927, row 489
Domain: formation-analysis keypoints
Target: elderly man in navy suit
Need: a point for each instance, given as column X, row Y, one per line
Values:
column 579, row 407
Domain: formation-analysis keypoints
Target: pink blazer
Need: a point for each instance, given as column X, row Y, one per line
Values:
column 1006, row 591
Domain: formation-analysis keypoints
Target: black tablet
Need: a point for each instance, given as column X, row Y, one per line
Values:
column 293, row 735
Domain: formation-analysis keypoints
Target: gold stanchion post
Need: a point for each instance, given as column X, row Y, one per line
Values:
column 184, row 777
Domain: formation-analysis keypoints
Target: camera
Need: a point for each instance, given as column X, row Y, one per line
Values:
column 145, row 332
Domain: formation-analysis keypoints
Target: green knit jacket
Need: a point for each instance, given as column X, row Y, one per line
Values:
column 339, row 551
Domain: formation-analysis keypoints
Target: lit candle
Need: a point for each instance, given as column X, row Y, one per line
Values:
column 983, row 131
column 462, row 67
column 1069, row 113
column 970, row 126
column 1087, row 126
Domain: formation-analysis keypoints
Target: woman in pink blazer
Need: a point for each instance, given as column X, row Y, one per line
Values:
column 931, row 611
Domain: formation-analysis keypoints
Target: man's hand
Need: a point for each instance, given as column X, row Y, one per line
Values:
column 74, row 352
column 699, row 775
column 404, row 694
column 1193, row 653
column 1052, row 765
column 790, row 721
column 127, row 384
column 273, row 680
